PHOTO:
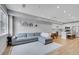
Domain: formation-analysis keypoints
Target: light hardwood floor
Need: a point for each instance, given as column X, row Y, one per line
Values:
column 69, row 47
column 7, row 50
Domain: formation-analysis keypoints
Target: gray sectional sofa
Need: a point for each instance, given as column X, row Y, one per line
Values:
column 22, row 38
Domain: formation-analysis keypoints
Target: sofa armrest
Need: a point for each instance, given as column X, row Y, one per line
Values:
column 14, row 39
column 45, row 37
column 44, row 40
column 41, row 40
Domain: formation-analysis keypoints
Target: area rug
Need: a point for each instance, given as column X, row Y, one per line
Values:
column 34, row 48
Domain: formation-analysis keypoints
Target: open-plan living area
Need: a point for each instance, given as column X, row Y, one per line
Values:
column 39, row 29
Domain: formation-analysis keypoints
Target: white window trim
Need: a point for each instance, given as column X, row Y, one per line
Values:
column 7, row 20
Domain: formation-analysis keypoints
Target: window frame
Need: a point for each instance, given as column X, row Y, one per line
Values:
column 7, row 21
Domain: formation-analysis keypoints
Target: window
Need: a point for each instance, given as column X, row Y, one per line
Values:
column 3, row 23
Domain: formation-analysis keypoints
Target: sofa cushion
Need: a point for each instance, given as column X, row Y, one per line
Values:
column 27, row 38
column 21, row 35
column 33, row 37
column 21, row 38
column 24, row 41
column 37, row 34
column 30, row 34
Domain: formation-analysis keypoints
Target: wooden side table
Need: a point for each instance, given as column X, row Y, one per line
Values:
column 71, row 36
column 54, row 35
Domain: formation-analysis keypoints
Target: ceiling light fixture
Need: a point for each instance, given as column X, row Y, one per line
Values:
column 58, row 6
column 64, row 11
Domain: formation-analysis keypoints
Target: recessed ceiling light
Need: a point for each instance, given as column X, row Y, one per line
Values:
column 64, row 11
column 58, row 6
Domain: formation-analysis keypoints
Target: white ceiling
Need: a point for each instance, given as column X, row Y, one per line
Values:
column 61, row 12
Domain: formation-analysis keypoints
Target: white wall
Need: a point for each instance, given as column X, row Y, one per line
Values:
column 71, row 25
column 57, row 28
column 19, row 28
